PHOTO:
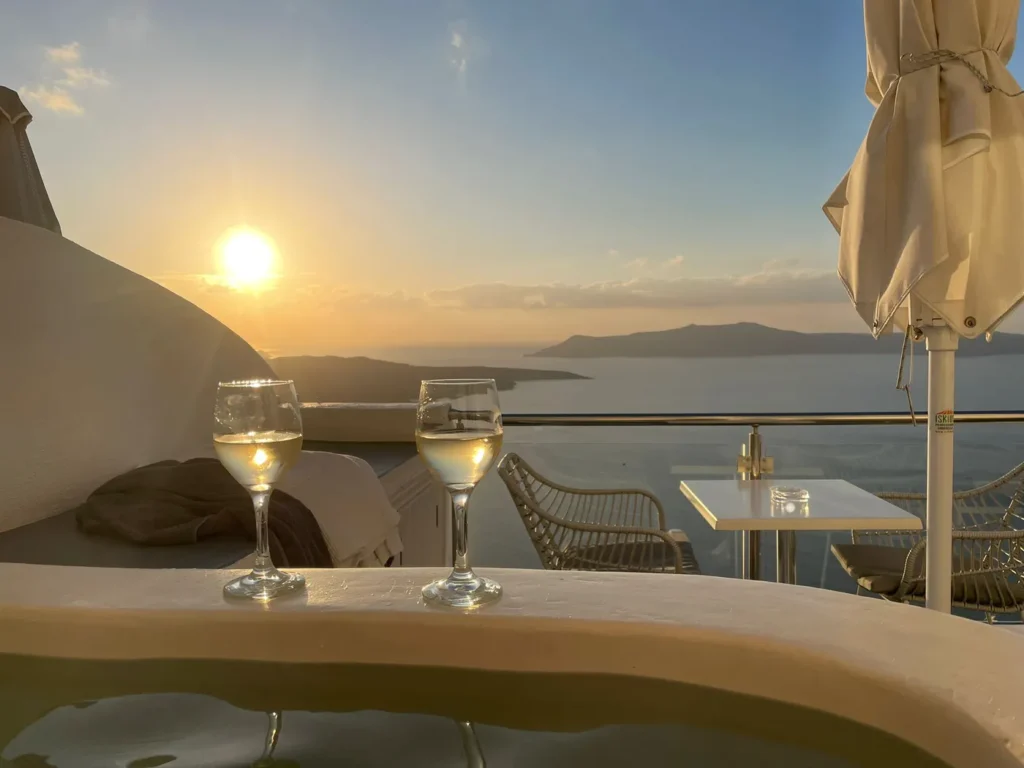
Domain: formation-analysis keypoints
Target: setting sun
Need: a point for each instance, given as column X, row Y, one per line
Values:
column 247, row 258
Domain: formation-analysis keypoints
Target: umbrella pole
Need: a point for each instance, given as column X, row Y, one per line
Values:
column 941, row 342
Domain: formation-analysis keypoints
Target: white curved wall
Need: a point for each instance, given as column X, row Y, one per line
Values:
column 103, row 370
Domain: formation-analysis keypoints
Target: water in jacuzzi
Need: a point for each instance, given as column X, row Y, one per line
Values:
column 77, row 714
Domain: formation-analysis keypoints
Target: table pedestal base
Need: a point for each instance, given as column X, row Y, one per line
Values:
column 752, row 555
column 785, row 548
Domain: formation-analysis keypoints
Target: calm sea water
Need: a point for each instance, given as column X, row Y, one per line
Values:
column 783, row 383
column 656, row 459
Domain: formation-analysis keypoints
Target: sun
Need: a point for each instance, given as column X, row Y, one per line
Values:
column 247, row 258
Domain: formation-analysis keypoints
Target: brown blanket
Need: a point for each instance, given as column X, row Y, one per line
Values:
column 173, row 502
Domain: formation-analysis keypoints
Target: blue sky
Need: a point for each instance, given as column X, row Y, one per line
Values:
column 407, row 155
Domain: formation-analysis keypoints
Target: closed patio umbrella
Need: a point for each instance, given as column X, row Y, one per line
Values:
column 931, row 214
column 22, row 194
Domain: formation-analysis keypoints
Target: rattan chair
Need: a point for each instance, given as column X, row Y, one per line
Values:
column 988, row 550
column 595, row 530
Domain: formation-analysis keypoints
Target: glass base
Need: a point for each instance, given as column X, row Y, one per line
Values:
column 466, row 592
column 265, row 586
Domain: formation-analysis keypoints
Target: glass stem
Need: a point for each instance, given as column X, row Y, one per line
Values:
column 261, row 503
column 460, row 535
column 273, row 734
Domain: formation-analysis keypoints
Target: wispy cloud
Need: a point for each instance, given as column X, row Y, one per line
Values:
column 65, row 71
column 396, row 300
column 82, row 77
column 53, row 98
column 460, row 57
column 760, row 288
column 613, row 253
column 213, row 283
column 71, row 53
column 643, row 263
column 776, row 265
column 464, row 49
column 302, row 293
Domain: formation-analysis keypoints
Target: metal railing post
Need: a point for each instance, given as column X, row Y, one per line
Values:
column 752, row 539
column 754, row 452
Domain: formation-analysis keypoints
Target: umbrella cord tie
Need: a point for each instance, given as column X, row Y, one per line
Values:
column 905, row 385
column 944, row 56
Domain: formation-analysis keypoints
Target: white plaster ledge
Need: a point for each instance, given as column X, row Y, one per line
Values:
column 947, row 685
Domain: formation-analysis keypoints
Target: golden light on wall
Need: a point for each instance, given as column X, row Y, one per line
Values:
column 247, row 258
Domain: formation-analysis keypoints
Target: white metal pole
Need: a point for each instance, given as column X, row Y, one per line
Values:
column 941, row 342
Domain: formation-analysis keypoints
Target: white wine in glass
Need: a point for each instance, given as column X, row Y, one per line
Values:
column 458, row 435
column 459, row 459
column 258, row 460
column 257, row 434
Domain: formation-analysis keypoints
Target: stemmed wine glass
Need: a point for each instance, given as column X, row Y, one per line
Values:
column 458, row 435
column 257, row 433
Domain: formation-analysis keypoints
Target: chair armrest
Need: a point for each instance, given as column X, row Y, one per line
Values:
column 615, row 493
column 913, row 569
column 664, row 535
column 622, row 530
column 1005, row 534
column 993, row 524
column 624, row 494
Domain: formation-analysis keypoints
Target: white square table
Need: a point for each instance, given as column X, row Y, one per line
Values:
column 833, row 505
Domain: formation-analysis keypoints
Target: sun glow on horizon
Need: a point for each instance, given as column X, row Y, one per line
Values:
column 247, row 258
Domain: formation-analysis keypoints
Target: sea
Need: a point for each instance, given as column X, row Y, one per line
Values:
column 876, row 458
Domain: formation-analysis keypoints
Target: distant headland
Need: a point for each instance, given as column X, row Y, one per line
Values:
column 365, row 380
column 753, row 340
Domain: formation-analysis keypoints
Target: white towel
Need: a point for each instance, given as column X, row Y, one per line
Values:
column 351, row 506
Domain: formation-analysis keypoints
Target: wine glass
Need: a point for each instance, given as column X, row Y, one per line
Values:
column 458, row 435
column 257, row 433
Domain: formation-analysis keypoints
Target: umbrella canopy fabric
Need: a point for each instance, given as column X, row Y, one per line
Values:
column 22, row 194
column 931, row 213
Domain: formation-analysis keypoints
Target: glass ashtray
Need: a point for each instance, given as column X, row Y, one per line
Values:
column 789, row 500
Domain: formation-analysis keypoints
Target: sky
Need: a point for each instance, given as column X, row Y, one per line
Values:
column 450, row 172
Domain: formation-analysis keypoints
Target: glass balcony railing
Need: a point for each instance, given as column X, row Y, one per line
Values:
column 873, row 451
column 877, row 452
